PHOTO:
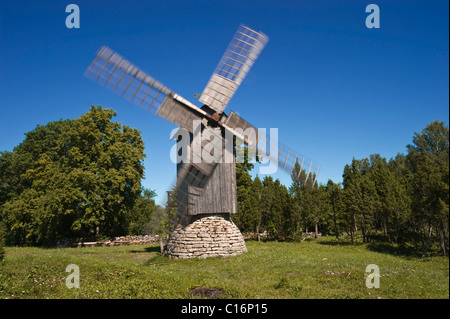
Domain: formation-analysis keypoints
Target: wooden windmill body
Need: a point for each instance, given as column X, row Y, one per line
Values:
column 212, row 192
column 206, row 190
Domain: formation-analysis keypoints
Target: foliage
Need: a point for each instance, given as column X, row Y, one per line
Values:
column 2, row 241
column 73, row 178
column 143, row 211
column 428, row 159
column 82, row 178
column 248, row 216
column 404, row 200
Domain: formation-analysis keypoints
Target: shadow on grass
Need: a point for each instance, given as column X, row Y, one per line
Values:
column 384, row 248
column 338, row 243
column 394, row 250
column 155, row 256
column 151, row 249
column 157, row 260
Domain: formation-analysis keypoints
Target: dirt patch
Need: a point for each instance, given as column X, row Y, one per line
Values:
column 206, row 292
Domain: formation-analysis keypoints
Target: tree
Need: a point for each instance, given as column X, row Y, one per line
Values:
column 257, row 187
column 41, row 140
column 360, row 197
column 73, row 178
column 307, row 204
column 393, row 203
column 310, row 207
column 247, row 199
column 295, row 191
column 428, row 160
column 143, row 210
column 275, row 208
column 334, row 194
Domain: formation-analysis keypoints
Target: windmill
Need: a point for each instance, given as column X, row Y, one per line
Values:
column 205, row 187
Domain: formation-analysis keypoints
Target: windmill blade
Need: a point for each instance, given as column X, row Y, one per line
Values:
column 190, row 182
column 234, row 65
column 180, row 113
column 112, row 71
column 188, row 187
column 298, row 165
column 240, row 128
column 182, row 195
column 286, row 157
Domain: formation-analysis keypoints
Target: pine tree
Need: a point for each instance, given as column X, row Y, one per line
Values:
column 428, row 159
column 333, row 198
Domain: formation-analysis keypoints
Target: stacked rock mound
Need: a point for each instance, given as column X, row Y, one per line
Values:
column 206, row 236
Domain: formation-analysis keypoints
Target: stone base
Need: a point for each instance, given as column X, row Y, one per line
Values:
column 206, row 236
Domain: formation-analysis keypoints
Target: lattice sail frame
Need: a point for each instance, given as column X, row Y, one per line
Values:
column 119, row 75
column 234, row 65
column 262, row 146
column 112, row 71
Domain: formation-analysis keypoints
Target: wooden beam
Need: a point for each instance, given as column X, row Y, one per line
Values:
column 146, row 93
column 315, row 178
column 286, row 159
column 309, row 170
column 123, row 93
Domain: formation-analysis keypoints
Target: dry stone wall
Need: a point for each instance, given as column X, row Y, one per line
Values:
column 206, row 236
column 117, row 241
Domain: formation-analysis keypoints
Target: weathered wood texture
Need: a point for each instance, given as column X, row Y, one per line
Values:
column 241, row 128
column 234, row 65
column 218, row 92
column 178, row 113
column 206, row 188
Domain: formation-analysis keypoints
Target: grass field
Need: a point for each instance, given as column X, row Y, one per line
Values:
column 310, row 269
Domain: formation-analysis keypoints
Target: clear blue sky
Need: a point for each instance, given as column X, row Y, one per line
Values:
column 334, row 88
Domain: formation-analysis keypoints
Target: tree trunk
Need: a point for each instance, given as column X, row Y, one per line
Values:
column 161, row 245
column 316, row 230
column 430, row 229
column 443, row 241
column 363, row 232
column 258, row 238
column 335, row 224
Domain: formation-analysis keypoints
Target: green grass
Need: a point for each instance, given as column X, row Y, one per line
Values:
column 310, row 269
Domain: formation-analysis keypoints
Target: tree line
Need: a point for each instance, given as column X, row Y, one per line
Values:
column 403, row 200
column 81, row 178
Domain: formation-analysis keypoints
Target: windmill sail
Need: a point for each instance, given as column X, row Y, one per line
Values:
column 112, row 71
column 234, row 65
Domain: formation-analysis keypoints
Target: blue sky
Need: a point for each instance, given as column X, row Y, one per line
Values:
column 334, row 88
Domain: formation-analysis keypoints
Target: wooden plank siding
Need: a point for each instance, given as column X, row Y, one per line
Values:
column 206, row 191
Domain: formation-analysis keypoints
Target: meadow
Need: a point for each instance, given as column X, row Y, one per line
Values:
column 322, row 268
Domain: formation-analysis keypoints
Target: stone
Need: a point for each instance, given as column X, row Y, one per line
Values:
column 206, row 236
